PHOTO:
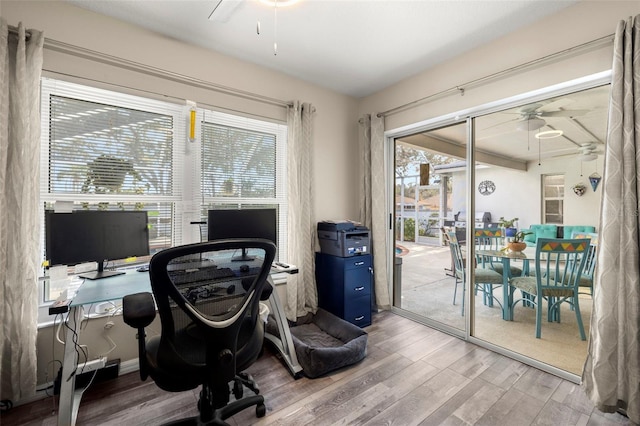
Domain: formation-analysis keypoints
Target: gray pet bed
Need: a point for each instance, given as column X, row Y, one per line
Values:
column 324, row 343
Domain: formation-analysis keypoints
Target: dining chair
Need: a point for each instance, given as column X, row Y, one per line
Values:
column 559, row 265
column 493, row 239
column 586, row 279
column 485, row 278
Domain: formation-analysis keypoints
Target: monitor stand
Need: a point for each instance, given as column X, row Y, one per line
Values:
column 244, row 258
column 100, row 273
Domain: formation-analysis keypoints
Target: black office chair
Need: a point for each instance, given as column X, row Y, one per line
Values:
column 211, row 330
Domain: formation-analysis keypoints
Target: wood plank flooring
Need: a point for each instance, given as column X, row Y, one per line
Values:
column 412, row 375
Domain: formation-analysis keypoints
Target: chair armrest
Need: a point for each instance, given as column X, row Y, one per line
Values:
column 138, row 310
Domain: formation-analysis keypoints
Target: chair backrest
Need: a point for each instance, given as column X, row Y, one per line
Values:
column 456, row 253
column 489, row 238
column 205, row 299
column 560, row 263
column 590, row 265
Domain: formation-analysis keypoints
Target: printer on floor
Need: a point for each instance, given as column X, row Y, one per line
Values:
column 343, row 238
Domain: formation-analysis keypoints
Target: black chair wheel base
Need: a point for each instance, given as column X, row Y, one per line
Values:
column 261, row 410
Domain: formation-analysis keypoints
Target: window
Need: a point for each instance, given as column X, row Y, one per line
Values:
column 243, row 164
column 106, row 150
column 553, row 199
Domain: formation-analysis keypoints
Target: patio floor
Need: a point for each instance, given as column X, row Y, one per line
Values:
column 428, row 291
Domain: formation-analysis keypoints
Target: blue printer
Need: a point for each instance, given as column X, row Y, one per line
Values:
column 343, row 238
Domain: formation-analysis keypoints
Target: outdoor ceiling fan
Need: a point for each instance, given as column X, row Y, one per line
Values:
column 530, row 117
column 589, row 151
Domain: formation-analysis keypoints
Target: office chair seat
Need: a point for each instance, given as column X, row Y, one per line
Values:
column 211, row 329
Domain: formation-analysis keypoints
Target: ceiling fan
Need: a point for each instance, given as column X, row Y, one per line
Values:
column 589, row 151
column 531, row 116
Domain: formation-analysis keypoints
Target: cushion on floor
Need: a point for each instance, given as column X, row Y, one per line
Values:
column 324, row 343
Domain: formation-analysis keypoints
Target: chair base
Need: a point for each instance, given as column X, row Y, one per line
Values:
column 217, row 416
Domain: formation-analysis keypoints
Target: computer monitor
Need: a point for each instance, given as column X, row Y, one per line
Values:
column 242, row 223
column 86, row 236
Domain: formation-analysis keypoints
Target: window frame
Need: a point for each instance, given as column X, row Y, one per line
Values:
column 559, row 197
column 186, row 195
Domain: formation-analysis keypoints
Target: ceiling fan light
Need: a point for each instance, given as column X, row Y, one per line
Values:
column 531, row 124
column 549, row 134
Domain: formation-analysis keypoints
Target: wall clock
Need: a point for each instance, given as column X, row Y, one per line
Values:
column 486, row 187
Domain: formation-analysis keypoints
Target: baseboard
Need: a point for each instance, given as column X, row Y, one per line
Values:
column 45, row 390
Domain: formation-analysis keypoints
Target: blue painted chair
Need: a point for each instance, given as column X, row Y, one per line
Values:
column 492, row 239
column 586, row 279
column 559, row 266
column 484, row 278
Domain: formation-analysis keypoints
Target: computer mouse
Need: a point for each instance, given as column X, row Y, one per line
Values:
column 231, row 289
column 244, row 268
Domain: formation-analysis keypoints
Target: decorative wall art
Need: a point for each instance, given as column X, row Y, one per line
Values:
column 579, row 189
column 594, row 179
column 486, row 187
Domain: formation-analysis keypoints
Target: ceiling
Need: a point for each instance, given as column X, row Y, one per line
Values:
column 354, row 47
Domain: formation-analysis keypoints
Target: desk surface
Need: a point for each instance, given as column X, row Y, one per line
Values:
column 118, row 286
column 111, row 288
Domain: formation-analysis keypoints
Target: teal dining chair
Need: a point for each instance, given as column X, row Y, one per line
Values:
column 558, row 267
column 485, row 278
column 493, row 239
column 586, row 279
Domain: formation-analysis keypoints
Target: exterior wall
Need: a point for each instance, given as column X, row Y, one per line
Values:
column 518, row 194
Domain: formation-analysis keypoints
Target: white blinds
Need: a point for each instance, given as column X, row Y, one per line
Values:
column 243, row 165
column 106, row 150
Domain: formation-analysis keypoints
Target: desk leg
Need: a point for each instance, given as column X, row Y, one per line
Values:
column 284, row 343
column 69, row 402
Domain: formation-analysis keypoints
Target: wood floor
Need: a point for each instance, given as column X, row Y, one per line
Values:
column 412, row 375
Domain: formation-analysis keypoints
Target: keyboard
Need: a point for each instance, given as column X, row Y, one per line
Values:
column 203, row 274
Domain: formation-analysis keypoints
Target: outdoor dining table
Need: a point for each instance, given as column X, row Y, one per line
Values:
column 505, row 256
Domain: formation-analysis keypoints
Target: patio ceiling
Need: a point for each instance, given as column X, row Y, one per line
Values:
column 507, row 138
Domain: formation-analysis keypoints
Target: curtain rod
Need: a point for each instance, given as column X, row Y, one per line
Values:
column 14, row 30
column 462, row 87
column 104, row 58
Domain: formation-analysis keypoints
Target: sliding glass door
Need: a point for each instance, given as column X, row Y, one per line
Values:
column 429, row 202
column 534, row 158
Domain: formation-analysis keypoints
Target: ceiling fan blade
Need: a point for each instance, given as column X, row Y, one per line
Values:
column 563, row 113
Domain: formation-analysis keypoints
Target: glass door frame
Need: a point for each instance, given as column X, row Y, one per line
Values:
column 468, row 116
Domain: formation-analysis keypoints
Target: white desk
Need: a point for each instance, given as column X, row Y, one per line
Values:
column 114, row 288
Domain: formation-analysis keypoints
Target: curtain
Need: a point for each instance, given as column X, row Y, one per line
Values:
column 611, row 376
column 373, row 204
column 302, row 297
column 20, row 70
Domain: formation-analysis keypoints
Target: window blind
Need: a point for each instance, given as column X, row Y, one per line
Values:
column 243, row 165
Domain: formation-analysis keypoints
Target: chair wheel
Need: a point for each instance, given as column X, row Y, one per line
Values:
column 237, row 389
column 261, row 410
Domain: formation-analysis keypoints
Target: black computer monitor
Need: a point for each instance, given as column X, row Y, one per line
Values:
column 87, row 236
column 242, row 223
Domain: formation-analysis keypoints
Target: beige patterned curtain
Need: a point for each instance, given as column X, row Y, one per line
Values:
column 611, row 376
column 302, row 297
column 20, row 70
column 373, row 205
